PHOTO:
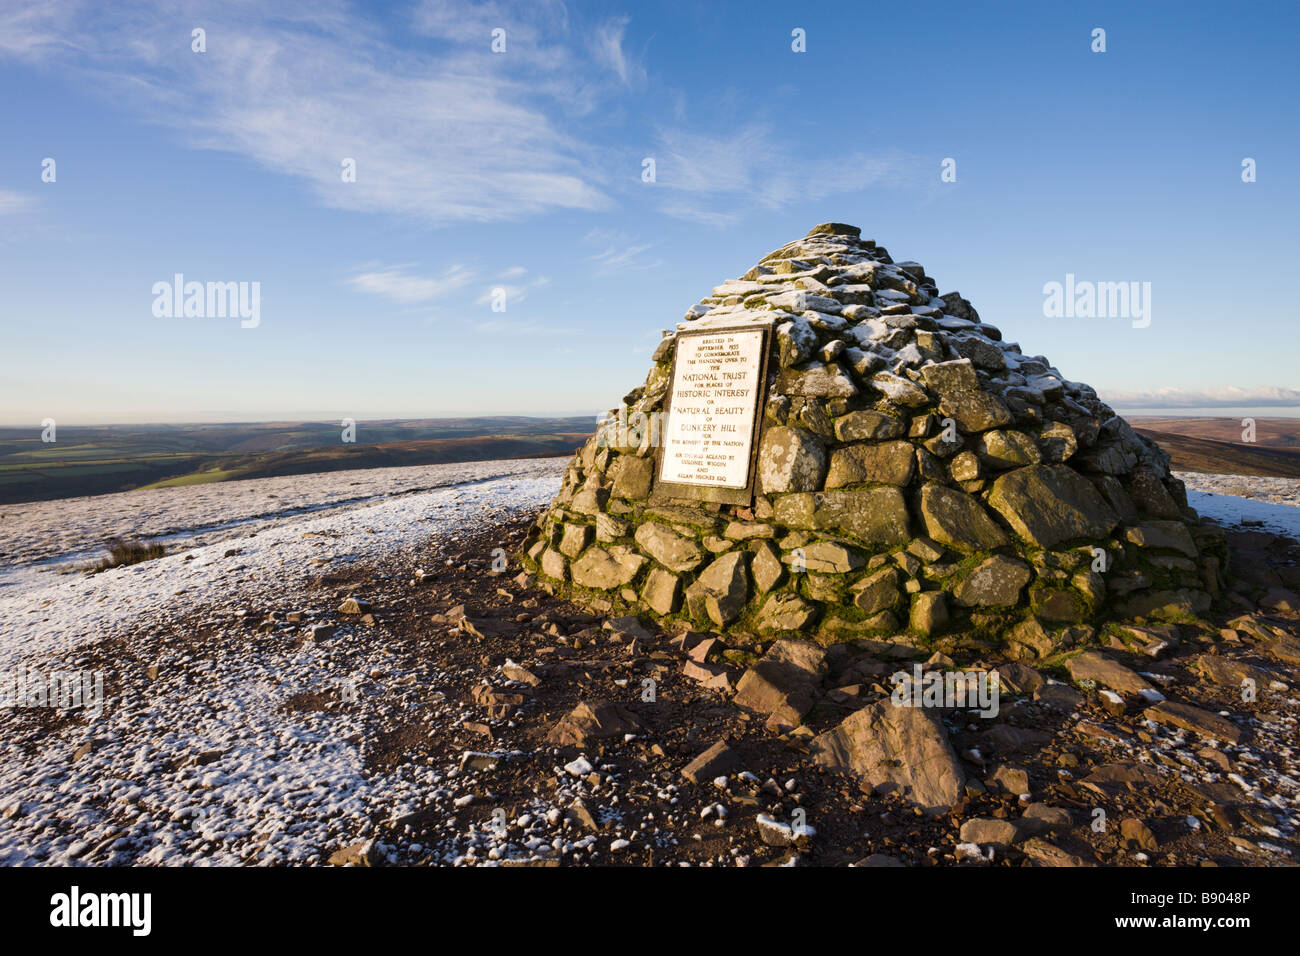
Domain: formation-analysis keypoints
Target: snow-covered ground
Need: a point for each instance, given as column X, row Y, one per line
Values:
column 1237, row 501
column 287, row 784
column 283, row 531
column 37, row 535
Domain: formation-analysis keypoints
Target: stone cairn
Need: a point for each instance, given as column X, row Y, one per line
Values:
column 917, row 476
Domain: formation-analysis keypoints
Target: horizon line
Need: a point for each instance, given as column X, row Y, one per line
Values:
column 1145, row 411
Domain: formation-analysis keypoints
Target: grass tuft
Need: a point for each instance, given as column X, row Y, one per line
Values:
column 122, row 551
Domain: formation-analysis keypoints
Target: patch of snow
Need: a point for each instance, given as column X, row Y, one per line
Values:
column 579, row 767
column 40, row 538
column 47, row 612
column 1273, row 504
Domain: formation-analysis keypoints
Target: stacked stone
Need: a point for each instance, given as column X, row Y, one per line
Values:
column 916, row 474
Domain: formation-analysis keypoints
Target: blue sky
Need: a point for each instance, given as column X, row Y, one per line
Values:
column 522, row 170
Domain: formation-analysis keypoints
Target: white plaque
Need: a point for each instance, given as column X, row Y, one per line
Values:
column 709, row 433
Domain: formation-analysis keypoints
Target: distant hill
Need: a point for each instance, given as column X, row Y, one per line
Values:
column 1214, row 445
column 391, row 455
column 1270, row 432
column 95, row 460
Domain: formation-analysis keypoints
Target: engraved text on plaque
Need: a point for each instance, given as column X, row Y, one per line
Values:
column 709, row 435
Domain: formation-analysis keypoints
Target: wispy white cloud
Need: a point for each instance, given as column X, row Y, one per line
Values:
column 399, row 285
column 608, row 49
column 619, row 251
column 691, row 211
column 624, row 257
column 441, row 128
column 1227, row 396
column 12, row 202
column 30, row 30
column 710, row 178
column 514, row 292
column 513, row 295
column 523, row 327
column 457, row 134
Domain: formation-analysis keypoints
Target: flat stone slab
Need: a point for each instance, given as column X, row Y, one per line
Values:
column 1196, row 720
column 1112, row 780
column 784, row 683
column 717, row 761
column 1109, row 673
column 894, row 748
column 592, row 721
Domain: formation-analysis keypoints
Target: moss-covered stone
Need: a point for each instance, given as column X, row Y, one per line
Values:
column 602, row 569
column 872, row 515
column 574, row 538
column 868, row 425
column 1058, row 604
column 1049, row 504
column 996, row 582
column 957, row 520
column 877, row 592
column 553, row 565
column 1001, row 449
column 790, row 459
column 632, row 477
column 662, row 591
column 975, row 411
column 888, row 463
column 721, row 591
column 785, row 612
column 767, row 567
column 816, row 379
column 674, row 551
column 929, row 612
